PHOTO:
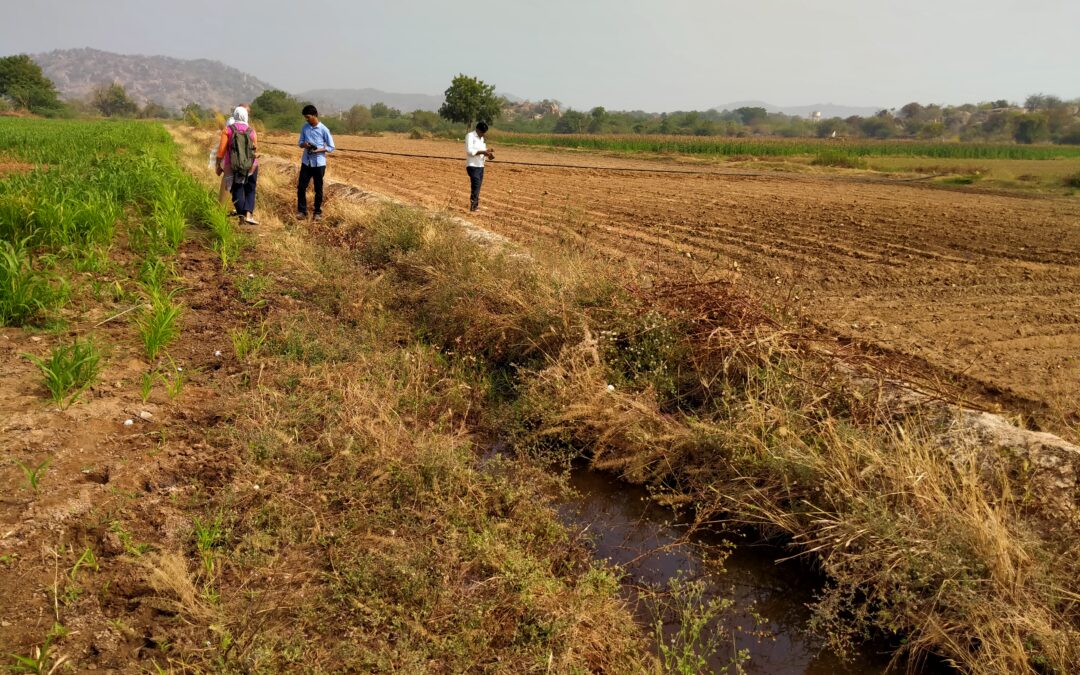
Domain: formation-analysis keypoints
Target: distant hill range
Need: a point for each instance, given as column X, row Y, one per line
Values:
column 176, row 82
column 827, row 110
column 171, row 82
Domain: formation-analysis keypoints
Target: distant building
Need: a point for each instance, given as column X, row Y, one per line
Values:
column 815, row 116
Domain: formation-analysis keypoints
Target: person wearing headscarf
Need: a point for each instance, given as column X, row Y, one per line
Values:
column 243, row 192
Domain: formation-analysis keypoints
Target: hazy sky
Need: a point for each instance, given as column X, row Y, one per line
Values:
column 623, row 54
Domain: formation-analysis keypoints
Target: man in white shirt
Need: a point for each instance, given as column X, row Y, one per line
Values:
column 476, row 151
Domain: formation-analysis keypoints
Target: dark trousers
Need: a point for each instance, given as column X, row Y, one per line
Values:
column 243, row 194
column 476, row 179
column 307, row 173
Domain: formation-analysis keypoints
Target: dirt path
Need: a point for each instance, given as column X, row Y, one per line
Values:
column 983, row 285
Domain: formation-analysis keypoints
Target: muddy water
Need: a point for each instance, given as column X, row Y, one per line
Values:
column 628, row 529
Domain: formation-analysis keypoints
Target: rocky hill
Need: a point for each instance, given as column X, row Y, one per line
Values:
column 171, row 82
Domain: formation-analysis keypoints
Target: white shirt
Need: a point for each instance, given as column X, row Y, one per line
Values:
column 474, row 144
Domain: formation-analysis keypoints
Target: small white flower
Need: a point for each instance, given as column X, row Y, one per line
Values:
column 217, row 353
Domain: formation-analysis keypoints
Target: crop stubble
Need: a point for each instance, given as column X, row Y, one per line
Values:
column 987, row 285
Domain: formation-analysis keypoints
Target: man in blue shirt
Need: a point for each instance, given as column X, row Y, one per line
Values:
column 316, row 141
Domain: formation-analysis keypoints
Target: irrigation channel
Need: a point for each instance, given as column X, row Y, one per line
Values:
column 631, row 530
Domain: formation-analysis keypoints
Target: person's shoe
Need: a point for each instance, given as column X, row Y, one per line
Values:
column 318, row 217
column 232, row 214
column 251, row 221
column 301, row 215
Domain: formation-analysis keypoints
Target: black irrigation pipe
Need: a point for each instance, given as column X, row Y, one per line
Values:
column 550, row 166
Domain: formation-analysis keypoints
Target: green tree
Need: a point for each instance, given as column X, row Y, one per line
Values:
column 572, row 122
column 834, row 126
column 750, row 116
column 599, row 120
column 22, row 81
column 154, row 110
column 112, row 101
column 277, row 109
column 469, row 100
column 274, row 102
column 425, row 119
column 1031, row 128
column 357, row 118
column 382, row 111
column 932, row 130
column 879, row 126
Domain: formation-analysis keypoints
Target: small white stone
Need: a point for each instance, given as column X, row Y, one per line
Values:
column 611, row 387
column 146, row 415
column 256, row 487
column 217, row 353
column 128, row 423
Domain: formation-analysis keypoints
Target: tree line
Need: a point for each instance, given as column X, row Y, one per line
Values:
column 1040, row 119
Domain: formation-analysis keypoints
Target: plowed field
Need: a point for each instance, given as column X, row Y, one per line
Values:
column 984, row 285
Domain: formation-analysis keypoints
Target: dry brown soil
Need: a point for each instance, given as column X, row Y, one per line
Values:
column 983, row 287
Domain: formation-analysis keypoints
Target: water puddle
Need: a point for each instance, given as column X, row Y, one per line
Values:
column 630, row 530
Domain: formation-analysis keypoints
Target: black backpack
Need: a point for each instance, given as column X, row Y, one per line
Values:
column 241, row 154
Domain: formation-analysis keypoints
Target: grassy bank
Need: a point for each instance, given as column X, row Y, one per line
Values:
column 949, row 547
column 358, row 525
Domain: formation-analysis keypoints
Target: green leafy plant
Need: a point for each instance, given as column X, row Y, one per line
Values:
column 174, row 380
column 24, row 292
column 209, row 536
column 247, row 342
column 33, row 475
column 126, row 540
column 72, row 590
column 695, row 642
column 40, row 661
column 157, row 323
column 69, row 370
column 146, row 385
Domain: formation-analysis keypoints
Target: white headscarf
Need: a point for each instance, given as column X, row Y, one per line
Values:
column 240, row 114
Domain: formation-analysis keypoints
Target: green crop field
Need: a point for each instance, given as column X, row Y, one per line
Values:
column 782, row 147
column 73, row 184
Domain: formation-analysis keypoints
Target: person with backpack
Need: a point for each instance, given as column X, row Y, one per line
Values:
column 236, row 157
column 317, row 142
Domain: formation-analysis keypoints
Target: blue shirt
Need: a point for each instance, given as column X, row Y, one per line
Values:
column 320, row 137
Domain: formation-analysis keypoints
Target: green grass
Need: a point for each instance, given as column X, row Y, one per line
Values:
column 777, row 147
column 157, row 324
column 25, row 293
column 69, row 370
column 34, row 474
column 87, row 173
